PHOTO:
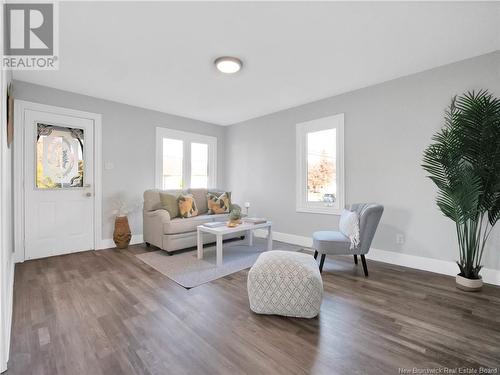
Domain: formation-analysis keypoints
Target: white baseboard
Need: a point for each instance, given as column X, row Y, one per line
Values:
column 444, row 267
column 18, row 257
column 108, row 243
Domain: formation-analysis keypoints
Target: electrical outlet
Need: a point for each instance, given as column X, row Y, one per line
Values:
column 400, row 239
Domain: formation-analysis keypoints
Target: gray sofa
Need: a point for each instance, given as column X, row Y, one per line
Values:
column 171, row 234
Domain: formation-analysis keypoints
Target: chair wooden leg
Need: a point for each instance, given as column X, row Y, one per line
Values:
column 365, row 268
column 321, row 262
column 315, row 254
column 355, row 259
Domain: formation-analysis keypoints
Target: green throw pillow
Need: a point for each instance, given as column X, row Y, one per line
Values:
column 169, row 203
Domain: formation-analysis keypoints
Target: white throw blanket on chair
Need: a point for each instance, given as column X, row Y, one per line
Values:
column 349, row 226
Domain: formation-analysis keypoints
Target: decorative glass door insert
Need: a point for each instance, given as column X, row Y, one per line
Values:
column 59, row 157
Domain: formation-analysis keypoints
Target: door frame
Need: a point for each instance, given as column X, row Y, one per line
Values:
column 20, row 107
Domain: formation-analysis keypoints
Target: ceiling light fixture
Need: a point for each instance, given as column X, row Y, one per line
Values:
column 228, row 65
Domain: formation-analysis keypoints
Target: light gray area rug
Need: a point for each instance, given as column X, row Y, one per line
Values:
column 185, row 269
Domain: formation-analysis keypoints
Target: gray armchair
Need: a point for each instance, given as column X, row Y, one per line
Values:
column 336, row 243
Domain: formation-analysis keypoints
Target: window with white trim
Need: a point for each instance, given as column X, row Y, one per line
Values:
column 320, row 165
column 185, row 160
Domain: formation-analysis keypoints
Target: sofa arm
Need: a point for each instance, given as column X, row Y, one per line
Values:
column 161, row 215
column 153, row 226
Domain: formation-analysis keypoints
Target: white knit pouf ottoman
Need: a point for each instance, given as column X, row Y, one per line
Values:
column 285, row 283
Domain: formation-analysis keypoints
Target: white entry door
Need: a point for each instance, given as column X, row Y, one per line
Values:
column 58, row 184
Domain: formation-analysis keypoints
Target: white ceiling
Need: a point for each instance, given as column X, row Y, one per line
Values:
column 160, row 55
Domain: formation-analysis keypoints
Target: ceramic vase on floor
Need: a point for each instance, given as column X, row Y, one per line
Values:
column 122, row 234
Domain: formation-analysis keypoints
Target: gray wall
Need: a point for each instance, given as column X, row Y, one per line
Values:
column 387, row 127
column 128, row 140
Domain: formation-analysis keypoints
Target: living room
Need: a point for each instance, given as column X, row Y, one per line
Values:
column 250, row 187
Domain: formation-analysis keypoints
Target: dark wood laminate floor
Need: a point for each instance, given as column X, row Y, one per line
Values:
column 106, row 312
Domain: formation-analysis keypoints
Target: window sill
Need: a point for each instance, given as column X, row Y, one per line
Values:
column 320, row 210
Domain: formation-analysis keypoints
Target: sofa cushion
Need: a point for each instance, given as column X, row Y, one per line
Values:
column 169, row 203
column 187, row 206
column 200, row 196
column 180, row 225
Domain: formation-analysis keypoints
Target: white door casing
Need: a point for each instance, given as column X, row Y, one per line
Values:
column 61, row 220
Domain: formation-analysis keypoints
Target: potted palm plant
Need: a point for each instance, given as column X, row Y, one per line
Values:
column 464, row 163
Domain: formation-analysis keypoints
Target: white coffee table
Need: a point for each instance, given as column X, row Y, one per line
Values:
column 223, row 230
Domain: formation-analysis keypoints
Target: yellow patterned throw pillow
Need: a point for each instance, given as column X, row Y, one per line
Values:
column 218, row 204
column 187, row 206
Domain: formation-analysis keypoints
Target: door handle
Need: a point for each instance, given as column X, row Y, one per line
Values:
column 88, row 194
